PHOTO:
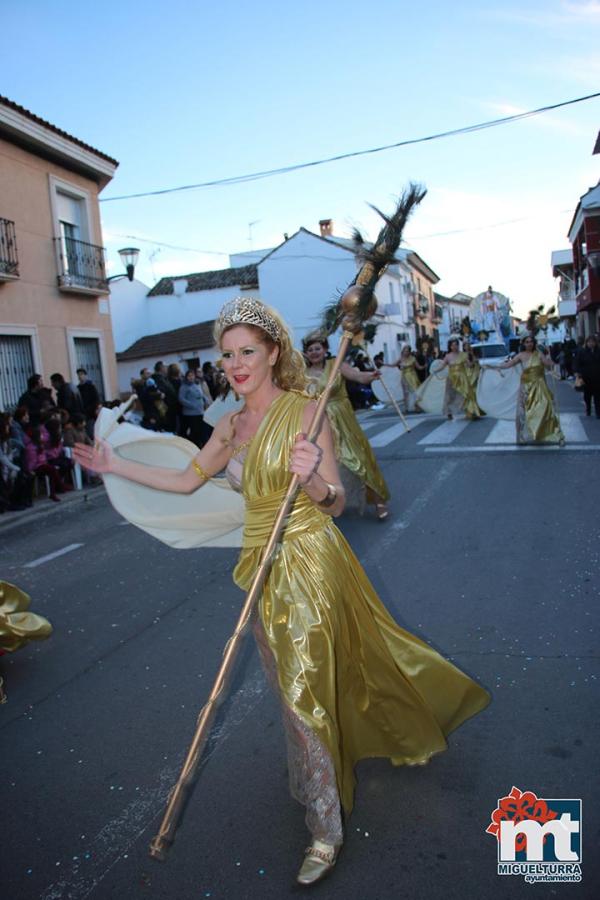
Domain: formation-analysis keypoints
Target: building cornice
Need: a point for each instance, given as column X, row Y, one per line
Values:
column 25, row 129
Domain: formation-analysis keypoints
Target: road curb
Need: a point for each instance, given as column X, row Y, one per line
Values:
column 42, row 510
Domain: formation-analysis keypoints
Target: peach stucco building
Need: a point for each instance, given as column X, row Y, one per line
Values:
column 54, row 310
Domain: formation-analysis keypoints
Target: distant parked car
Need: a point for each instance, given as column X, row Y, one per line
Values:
column 492, row 354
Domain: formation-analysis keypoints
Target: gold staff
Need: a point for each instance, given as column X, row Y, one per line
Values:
column 357, row 304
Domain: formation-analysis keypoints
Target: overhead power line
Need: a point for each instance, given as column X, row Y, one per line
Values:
column 269, row 173
column 136, row 237
column 411, row 239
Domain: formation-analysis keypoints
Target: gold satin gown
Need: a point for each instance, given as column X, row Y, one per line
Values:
column 17, row 625
column 352, row 683
column 536, row 421
column 473, row 373
column 410, row 376
column 352, row 449
column 410, row 382
column 460, row 393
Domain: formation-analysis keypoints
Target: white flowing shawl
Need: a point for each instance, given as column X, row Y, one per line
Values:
column 209, row 517
column 393, row 381
column 219, row 407
column 430, row 395
column 497, row 391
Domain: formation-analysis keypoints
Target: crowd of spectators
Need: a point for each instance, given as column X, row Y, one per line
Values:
column 35, row 438
column 176, row 403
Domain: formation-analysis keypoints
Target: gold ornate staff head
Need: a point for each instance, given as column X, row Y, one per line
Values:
column 358, row 303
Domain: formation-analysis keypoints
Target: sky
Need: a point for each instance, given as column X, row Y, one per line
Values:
column 185, row 92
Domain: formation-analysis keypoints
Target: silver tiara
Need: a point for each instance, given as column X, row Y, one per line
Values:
column 247, row 311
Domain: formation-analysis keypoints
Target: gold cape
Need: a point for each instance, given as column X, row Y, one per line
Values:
column 352, row 449
column 17, row 625
column 536, row 418
column 364, row 685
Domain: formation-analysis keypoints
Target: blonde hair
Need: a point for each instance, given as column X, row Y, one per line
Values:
column 289, row 371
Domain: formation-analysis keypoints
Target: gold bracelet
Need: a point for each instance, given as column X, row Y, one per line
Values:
column 200, row 471
column 330, row 497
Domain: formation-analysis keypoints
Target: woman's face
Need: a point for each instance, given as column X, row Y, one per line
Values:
column 528, row 344
column 315, row 353
column 247, row 361
column 453, row 347
column 405, row 352
column 190, row 376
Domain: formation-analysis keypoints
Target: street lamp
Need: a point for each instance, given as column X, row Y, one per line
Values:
column 129, row 257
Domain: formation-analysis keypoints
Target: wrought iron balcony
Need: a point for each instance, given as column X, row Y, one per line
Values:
column 81, row 267
column 9, row 261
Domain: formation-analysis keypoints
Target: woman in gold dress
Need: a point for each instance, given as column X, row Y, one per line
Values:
column 408, row 365
column 352, row 684
column 536, row 419
column 352, row 448
column 460, row 393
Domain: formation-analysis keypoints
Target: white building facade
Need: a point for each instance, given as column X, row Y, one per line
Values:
column 300, row 277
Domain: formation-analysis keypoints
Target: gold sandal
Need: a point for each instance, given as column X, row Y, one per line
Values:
column 319, row 860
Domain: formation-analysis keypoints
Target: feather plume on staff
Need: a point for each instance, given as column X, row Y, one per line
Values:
column 354, row 307
column 374, row 260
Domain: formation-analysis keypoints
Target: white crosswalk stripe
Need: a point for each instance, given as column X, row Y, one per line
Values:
column 572, row 427
column 398, row 430
column 499, row 433
column 503, row 432
column 369, row 425
column 445, row 433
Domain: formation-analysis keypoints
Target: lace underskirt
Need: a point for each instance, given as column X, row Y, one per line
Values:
column 311, row 771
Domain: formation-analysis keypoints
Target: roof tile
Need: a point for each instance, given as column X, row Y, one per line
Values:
column 243, row 276
column 190, row 337
column 4, row 101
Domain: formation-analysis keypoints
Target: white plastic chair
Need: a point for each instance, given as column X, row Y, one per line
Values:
column 75, row 471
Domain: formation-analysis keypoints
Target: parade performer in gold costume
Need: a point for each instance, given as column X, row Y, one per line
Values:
column 352, row 449
column 536, row 418
column 351, row 682
column 460, row 393
column 408, row 365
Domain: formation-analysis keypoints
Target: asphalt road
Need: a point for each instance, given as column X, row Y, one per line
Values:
column 490, row 556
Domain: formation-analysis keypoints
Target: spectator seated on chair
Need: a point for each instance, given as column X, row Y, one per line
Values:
column 15, row 483
column 55, row 449
column 19, row 426
column 37, row 463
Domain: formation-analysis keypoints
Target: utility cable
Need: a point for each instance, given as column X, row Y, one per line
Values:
column 269, row 173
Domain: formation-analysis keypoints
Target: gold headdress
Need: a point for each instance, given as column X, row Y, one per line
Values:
column 247, row 311
column 319, row 336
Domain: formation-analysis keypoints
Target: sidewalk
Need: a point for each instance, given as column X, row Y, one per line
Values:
column 43, row 507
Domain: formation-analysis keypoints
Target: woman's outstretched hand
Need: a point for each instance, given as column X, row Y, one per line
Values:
column 305, row 458
column 97, row 458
